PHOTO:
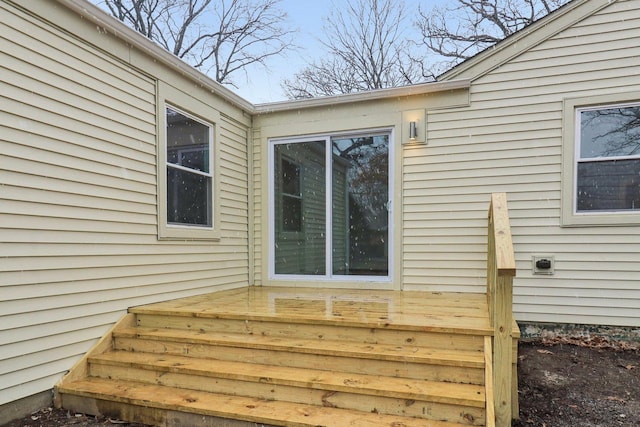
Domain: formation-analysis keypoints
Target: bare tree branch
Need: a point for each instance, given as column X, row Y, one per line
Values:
column 463, row 28
column 365, row 45
column 219, row 37
column 616, row 131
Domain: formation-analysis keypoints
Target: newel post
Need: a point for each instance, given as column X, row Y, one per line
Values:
column 500, row 272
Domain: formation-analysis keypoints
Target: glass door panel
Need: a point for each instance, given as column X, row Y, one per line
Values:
column 300, row 208
column 360, row 196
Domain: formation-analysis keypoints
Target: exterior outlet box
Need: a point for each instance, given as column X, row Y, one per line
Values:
column 543, row 264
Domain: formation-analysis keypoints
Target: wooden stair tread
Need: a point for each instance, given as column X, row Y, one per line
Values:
column 403, row 388
column 451, row 321
column 415, row 354
column 235, row 407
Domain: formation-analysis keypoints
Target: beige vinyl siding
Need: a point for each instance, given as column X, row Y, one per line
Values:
column 64, row 133
column 233, row 188
column 78, row 210
column 510, row 139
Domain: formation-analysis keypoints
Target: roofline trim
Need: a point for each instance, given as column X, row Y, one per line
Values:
column 371, row 95
column 99, row 17
column 120, row 30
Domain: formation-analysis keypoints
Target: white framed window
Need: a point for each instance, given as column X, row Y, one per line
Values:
column 187, row 176
column 329, row 203
column 189, row 147
column 602, row 142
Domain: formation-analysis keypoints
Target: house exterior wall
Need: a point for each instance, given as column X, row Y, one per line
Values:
column 511, row 138
column 79, row 195
column 301, row 123
column 80, row 125
column 336, row 119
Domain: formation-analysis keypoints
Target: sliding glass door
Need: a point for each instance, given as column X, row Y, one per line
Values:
column 300, row 208
column 330, row 206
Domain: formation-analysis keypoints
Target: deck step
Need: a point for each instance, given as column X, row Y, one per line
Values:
column 459, row 366
column 406, row 353
column 407, row 310
column 99, row 395
column 391, row 334
column 373, row 385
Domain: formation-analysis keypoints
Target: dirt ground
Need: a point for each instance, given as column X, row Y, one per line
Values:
column 586, row 383
column 563, row 383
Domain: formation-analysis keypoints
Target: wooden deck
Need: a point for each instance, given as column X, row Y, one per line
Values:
column 313, row 357
column 381, row 309
column 292, row 357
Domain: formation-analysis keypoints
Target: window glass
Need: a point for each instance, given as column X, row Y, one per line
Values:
column 188, row 198
column 360, row 197
column 610, row 132
column 608, row 165
column 300, row 212
column 290, row 177
column 189, row 178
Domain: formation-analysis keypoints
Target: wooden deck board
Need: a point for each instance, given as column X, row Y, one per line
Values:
column 426, row 311
column 315, row 331
column 312, row 396
column 235, row 407
column 408, row 353
column 373, row 385
column 308, row 361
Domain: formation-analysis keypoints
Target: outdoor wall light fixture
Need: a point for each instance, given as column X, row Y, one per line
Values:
column 413, row 131
column 414, row 127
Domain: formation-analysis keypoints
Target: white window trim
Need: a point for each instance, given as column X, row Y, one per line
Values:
column 329, row 277
column 570, row 155
column 173, row 98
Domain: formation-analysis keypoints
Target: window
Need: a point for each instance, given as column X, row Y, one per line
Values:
column 606, row 164
column 608, row 174
column 187, row 176
column 329, row 210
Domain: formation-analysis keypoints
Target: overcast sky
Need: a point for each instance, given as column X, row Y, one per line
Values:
column 307, row 16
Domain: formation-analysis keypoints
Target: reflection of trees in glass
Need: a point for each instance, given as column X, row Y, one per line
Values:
column 367, row 175
column 609, row 164
column 610, row 132
column 367, row 179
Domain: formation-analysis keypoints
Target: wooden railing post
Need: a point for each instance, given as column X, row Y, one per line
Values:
column 500, row 272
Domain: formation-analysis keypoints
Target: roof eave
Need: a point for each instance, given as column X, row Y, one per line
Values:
column 114, row 26
column 536, row 33
column 371, row 95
